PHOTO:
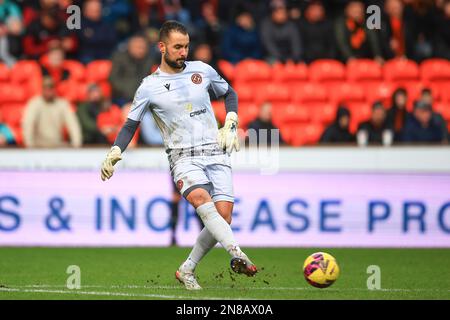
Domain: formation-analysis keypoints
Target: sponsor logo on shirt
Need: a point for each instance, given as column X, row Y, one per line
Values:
column 196, row 113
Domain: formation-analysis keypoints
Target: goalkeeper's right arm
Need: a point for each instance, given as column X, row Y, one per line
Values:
column 115, row 154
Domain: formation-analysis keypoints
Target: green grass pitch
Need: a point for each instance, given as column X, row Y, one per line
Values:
column 148, row 273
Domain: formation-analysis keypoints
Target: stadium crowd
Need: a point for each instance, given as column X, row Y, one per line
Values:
column 291, row 63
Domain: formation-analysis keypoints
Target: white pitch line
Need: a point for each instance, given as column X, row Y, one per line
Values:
column 229, row 288
column 117, row 294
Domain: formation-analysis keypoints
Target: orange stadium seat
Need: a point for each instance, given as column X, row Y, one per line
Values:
column 400, row 70
column 98, row 70
column 4, row 72
column 252, row 70
column 309, row 92
column 306, row 134
column 290, row 72
column 443, row 108
column 227, row 68
column 364, row 70
column 435, row 70
column 326, row 70
column 12, row 114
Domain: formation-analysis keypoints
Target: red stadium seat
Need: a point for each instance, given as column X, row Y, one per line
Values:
column 98, row 71
column 290, row 72
column 252, row 70
column 13, row 114
column 69, row 90
column 76, row 69
column 380, row 92
column 274, row 92
column 13, row 93
column 246, row 92
column 360, row 112
column 324, row 113
column 327, row 70
column 28, row 74
column 435, row 70
column 227, row 68
column 400, row 70
column 347, row 92
column 306, row 134
column 364, row 70
column 291, row 114
column 219, row 110
column 443, row 108
column 247, row 113
column 4, row 72
column 440, row 90
column 309, row 92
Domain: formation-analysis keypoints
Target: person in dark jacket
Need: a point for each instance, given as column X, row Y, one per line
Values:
column 97, row 37
column 376, row 126
column 129, row 68
column 426, row 96
column 338, row 131
column 421, row 128
column 441, row 39
column 353, row 39
column 280, row 36
column 397, row 114
column 317, row 33
column 262, row 127
column 241, row 40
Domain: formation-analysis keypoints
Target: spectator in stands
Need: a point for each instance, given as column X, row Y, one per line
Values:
column 376, row 126
column 48, row 31
column 123, row 16
column 338, row 131
column 45, row 118
column 203, row 52
column 280, row 37
column 151, row 13
column 262, row 128
column 174, row 10
column 317, row 33
column 353, row 38
column 209, row 27
column 11, row 28
column 52, row 65
column 396, row 34
column 88, row 112
column 241, row 40
column 397, row 114
column 129, row 68
column 110, row 120
column 6, row 134
column 427, row 98
column 441, row 41
column 97, row 38
column 421, row 127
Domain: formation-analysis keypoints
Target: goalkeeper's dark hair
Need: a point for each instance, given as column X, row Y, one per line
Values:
column 171, row 26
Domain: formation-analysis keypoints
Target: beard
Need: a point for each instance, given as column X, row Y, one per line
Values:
column 175, row 64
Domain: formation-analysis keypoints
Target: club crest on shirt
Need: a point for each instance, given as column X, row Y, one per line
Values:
column 196, row 78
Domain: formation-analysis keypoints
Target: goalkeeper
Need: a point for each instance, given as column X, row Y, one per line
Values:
column 177, row 96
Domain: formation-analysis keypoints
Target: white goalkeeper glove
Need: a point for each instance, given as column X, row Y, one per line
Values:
column 113, row 156
column 228, row 137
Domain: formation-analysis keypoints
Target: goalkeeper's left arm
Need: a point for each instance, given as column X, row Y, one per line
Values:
column 115, row 154
column 228, row 137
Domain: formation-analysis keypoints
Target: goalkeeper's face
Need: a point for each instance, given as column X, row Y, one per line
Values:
column 175, row 49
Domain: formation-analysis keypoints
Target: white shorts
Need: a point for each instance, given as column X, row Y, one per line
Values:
column 212, row 173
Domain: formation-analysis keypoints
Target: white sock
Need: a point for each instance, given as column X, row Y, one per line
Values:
column 219, row 228
column 205, row 242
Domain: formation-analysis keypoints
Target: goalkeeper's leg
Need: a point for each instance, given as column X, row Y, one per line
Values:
column 217, row 228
